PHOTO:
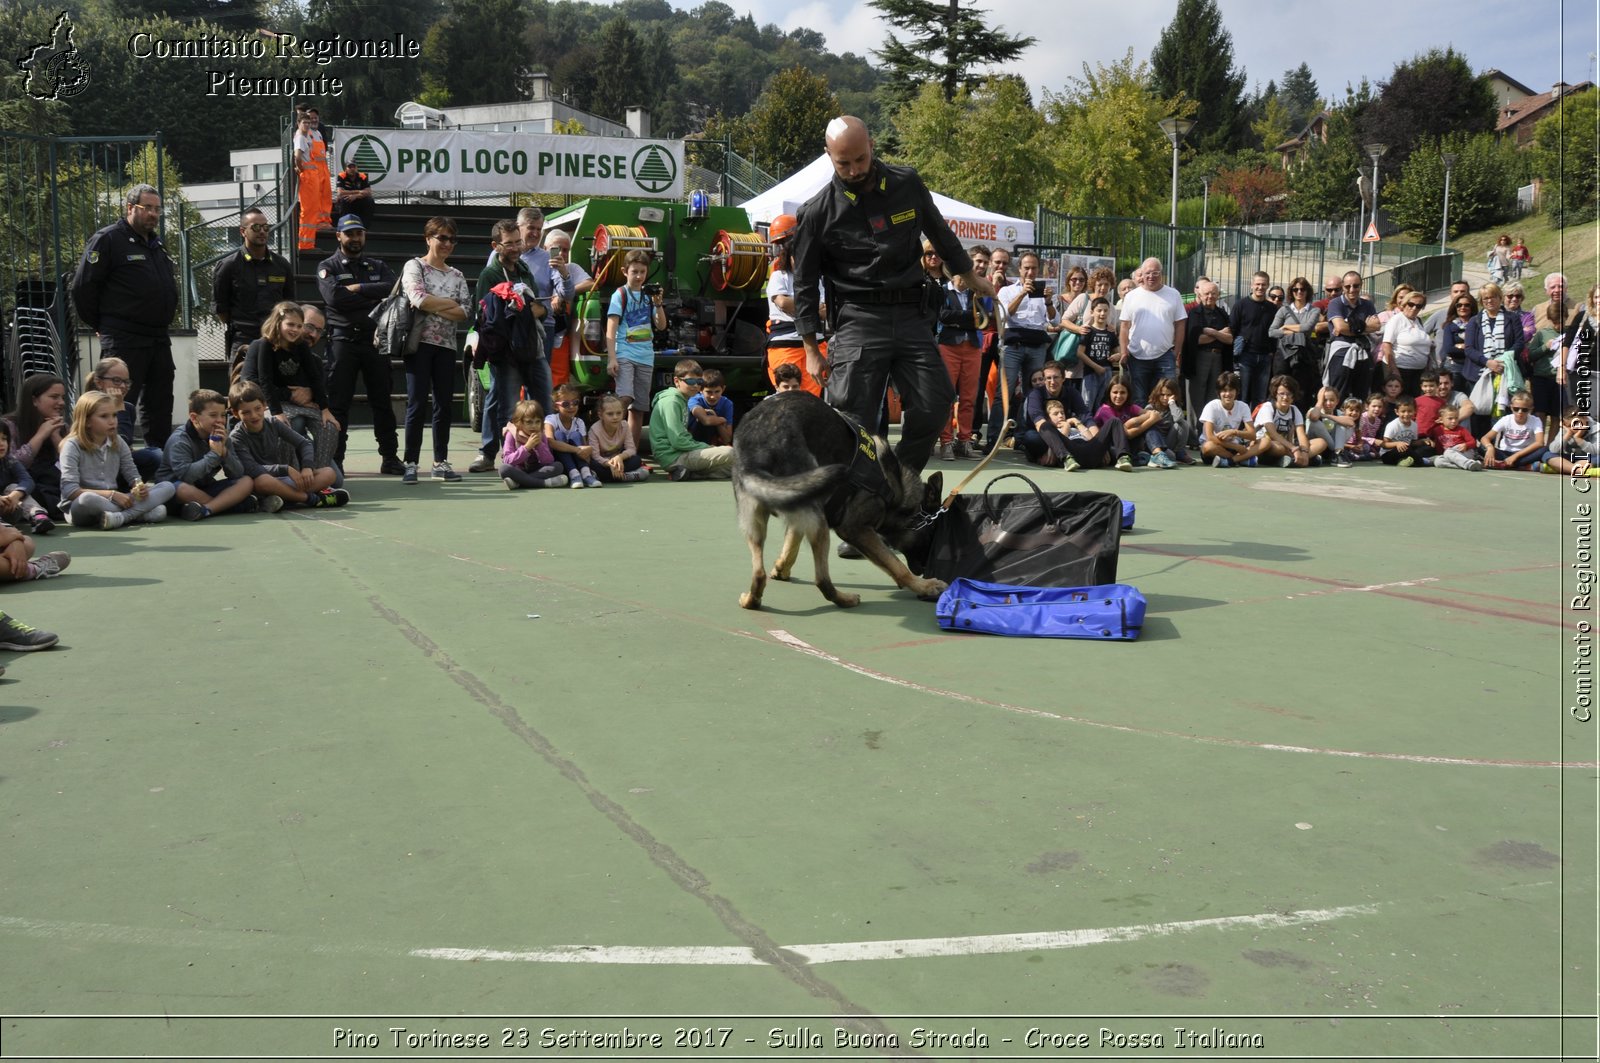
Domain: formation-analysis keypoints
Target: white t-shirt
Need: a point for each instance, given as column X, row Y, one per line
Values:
column 1221, row 418
column 1510, row 436
column 1270, row 414
column 1412, row 347
column 780, row 282
column 1030, row 313
column 1152, row 318
column 1397, row 430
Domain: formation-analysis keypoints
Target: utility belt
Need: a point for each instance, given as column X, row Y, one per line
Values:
column 348, row 332
column 892, row 296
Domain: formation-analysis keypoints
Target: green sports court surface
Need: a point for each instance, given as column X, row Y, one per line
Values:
column 515, row 767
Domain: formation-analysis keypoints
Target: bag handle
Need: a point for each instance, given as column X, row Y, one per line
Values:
column 1044, row 503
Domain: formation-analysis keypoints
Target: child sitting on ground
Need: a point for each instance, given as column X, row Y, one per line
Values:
column 1573, row 451
column 17, row 563
column 526, row 460
column 1282, row 427
column 208, row 474
column 278, row 460
column 568, row 438
column 1401, row 444
column 1457, row 448
column 615, row 459
column 674, row 448
column 111, row 376
column 17, row 504
column 292, row 379
column 711, row 411
column 1517, row 440
column 1167, row 434
column 787, row 377
column 1228, row 436
column 1348, row 433
column 1368, row 440
column 1090, row 445
column 1136, row 420
column 94, row 457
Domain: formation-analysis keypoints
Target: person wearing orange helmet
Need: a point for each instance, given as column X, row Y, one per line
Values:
column 783, row 340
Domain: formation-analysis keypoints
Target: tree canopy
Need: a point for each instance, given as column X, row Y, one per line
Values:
column 1194, row 57
column 1427, row 97
column 946, row 41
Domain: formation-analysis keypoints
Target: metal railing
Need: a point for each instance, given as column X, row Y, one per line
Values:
column 1225, row 255
column 55, row 192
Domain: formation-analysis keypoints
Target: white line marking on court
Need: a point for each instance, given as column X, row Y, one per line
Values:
column 903, row 949
column 801, row 646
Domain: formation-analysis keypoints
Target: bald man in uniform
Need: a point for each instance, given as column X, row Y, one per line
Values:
column 863, row 233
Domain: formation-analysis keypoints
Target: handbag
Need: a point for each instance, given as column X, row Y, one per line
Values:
column 1483, row 392
column 1068, row 539
column 1113, row 612
column 1065, row 348
column 397, row 335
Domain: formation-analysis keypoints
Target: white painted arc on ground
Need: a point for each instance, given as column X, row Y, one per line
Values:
column 903, row 949
column 801, row 646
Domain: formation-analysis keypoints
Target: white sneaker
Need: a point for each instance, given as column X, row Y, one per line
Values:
column 110, row 520
column 156, row 516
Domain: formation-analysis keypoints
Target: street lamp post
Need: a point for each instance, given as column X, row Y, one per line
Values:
column 1374, row 151
column 1449, row 160
column 1175, row 129
column 1205, row 201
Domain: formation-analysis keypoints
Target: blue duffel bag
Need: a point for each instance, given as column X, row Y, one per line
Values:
column 1113, row 611
column 1127, row 514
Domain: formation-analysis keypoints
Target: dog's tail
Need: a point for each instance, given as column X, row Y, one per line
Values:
column 784, row 492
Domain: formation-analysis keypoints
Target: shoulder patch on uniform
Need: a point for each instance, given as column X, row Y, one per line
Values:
column 94, row 256
column 904, row 215
column 323, row 272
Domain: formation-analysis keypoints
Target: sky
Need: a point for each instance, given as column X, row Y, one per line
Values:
column 1268, row 38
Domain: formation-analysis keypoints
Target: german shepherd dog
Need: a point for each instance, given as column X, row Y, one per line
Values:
column 798, row 458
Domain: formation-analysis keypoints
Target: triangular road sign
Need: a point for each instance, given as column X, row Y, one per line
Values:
column 1372, row 233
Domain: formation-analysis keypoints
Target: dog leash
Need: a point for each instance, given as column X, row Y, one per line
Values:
column 1005, row 412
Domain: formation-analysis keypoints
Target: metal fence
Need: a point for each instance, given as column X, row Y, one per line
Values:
column 1225, row 255
column 54, row 193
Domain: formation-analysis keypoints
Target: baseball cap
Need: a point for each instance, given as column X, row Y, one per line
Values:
column 351, row 223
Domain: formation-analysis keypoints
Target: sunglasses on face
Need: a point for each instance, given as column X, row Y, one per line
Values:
column 1416, row 306
column 692, row 381
column 443, row 239
column 566, row 405
column 1522, row 409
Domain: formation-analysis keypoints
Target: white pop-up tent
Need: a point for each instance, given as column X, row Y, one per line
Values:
column 972, row 225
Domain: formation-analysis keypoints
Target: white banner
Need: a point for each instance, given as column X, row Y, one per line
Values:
column 436, row 160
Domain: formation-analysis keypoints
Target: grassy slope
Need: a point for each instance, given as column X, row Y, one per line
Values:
column 1574, row 251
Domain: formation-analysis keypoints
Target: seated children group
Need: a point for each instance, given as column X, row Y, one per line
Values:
column 1389, row 427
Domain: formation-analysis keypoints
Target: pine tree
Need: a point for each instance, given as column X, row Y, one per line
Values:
column 1299, row 96
column 1195, row 57
column 946, row 41
column 1431, row 95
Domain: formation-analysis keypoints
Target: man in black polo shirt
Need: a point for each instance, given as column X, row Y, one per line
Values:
column 1253, row 348
column 863, row 234
column 352, row 284
column 125, row 289
column 249, row 283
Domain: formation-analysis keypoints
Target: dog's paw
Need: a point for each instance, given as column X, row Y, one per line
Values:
column 749, row 601
column 847, row 601
column 779, row 574
column 929, row 589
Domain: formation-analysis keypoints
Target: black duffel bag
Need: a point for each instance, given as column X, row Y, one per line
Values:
column 1068, row 539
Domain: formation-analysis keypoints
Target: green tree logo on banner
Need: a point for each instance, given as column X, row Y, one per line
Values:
column 370, row 155
column 654, row 169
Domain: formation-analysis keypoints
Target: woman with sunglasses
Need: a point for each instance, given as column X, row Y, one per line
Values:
column 439, row 294
column 1300, row 328
column 1453, row 339
column 1407, row 347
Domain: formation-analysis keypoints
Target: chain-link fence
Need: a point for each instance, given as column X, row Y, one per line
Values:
column 54, row 193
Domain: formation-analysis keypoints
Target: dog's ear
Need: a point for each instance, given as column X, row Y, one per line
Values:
column 933, row 492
